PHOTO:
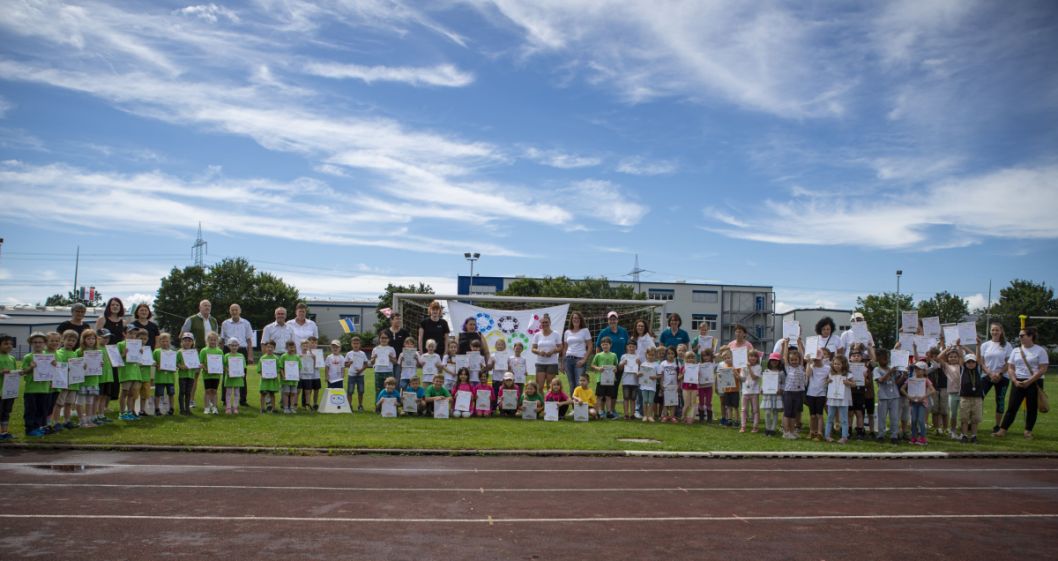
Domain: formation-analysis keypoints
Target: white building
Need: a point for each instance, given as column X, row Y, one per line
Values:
column 329, row 313
column 20, row 321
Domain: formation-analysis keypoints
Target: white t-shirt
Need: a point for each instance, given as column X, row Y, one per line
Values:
column 642, row 344
column 241, row 331
column 356, row 360
column 278, row 333
column 547, row 343
column 817, row 383
column 630, row 369
column 577, row 342
column 669, row 374
column 1036, row 355
column 303, row 332
column 749, row 385
column 847, row 401
column 995, row 356
column 831, row 343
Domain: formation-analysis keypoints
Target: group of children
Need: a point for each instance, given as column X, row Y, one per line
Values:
column 70, row 372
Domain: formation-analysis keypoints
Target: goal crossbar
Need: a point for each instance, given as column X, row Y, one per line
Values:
column 398, row 296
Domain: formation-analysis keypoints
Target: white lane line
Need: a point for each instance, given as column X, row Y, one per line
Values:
column 482, row 490
column 489, row 520
column 385, row 470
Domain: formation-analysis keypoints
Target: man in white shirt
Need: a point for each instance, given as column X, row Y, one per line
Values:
column 278, row 331
column 237, row 328
column 302, row 326
column 849, row 337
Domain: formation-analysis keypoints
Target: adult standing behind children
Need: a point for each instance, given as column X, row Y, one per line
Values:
column 468, row 335
column 113, row 320
column 279, row 331
column 617, row 334
column 433, row 327
column 576, row 348
column 849, row 337
column 235, row 327
column 303, row 326
column 200, row 324
column 1026, row 366
column 674, row 335
column 76, row 321
column 396, row 333
column 141, row 319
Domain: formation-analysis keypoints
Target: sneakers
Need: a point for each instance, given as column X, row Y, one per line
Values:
column 843, row 441
column 6, row 437
column 894, row 441
column 36, row 433
column 973, row 439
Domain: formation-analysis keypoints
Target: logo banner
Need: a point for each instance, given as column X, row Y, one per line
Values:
column 512, row 326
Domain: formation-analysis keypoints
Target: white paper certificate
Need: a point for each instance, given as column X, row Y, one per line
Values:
column 334, row 368
column 740, row 357
column 812, row 347
column 705, row 343
column 509, row 399
column 580, row 412
column 725, row 379
column 76, row 370
column 923, row 344
column 410, row 402
column 551, row 411
column 951, row 335
column 429, row 368
column 463, row 399
column 859, row 332
column 382, row 358
column 440, row 409
column 859, row 373
column 836, row 389
column 916, row 387
column 268, row 369
column 907, row 341
column 214, row 364
column 501, row 361
column 291, row 371
column 146, row 356
column 791, row 330
column 518, row 369
column 462, row 361
column 10, row 386
column 317, row 356
column 43, row 371
column 899, row 358
column 706, row 374
column 931, row 327
column 607, row 377
column 167, row 360
column 60, row 376
column 236, row 367
column 115, row 355
column 483, row 401
column 409, row 359
column 529, row 410
column 93, row 363
column 968, row 333
column 770, row 382
column 909, row 321
column 191, row 361
column 691, row 373
column 133, row 350
column 389, row 407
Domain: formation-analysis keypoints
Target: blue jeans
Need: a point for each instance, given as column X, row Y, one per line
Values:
column 889, row 409
column 918, row 419
column 842, row 412
column 573, row 371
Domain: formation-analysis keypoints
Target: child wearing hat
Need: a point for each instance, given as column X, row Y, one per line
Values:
column 918, row 403
column 185, row 375
column 971, row 396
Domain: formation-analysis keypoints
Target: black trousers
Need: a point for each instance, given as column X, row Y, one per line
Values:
column 1017, row 395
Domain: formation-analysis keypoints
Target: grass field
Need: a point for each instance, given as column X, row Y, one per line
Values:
column 368, row 430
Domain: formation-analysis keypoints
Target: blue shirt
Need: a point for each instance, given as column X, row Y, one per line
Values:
column 387, row 393
column 618, row 340
column 420, row 392
column 670, row 339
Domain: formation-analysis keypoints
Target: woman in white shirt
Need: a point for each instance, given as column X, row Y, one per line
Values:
column 1027, row 364
column 576, row 348
column 547, row 345
column 995, row 353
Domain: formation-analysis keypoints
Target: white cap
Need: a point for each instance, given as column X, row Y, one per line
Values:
column 969, row 357
column 611, row 314
column 234, row 341
column 921, row 364
column 856, row 316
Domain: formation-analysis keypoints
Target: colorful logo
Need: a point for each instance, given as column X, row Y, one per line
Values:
column 484, row 321
column 507, row 324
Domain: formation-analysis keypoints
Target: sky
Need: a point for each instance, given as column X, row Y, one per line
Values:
column 816, row 147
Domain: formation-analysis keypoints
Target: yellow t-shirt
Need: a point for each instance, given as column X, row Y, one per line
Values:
column 585, row 395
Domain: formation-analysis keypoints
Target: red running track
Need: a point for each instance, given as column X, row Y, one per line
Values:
column 197, row 506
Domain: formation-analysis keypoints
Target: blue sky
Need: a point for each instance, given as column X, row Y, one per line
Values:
column 816, row 147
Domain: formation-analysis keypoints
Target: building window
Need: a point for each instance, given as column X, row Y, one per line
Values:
column 697, row 319
column 705, row 296
column 760, row 303
column 661, row 293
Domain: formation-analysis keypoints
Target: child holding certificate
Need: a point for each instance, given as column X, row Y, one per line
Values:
column 67, row 397
column 335, row 363
column 751, row 392
column 918, row 390
column 389, row 391
column 382, row 358
column 629, row 368
column 409, row 362
column 706, row 382
column 213, row 371
column 484, row 396
column 186, row 373
column 558, row 396
column 356, row 362
column 129, row 374
column 518, row 366
column 839, row 396
column 96, row 364
column 463, row 391
column 648, row 383
column 508, row 395
column 888, row 397
column 605, row 363
column 289, row 388
column 771, row 397
column 582, row 394
column 449, row 367
column 436, row 392
column 36, row 395
column 164, row 375
column 270, row 384
column 7, row 368
column 730, row 397
column 691, row 375
column 234, row 376
column 669, row 376
column 531, row 399
column 413, row 397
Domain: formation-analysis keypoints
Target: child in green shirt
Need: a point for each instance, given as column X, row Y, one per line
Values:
column 36, row 396
column 211, row 381
column 130, row 377
column 233, row 383
column 185, row 374
column 163, row 379
column 605, row 363
column 269, row 386
column 290, row 387
column 7, row 368
column 66, row 400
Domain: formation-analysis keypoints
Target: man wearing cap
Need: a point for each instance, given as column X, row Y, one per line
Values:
column 849, row 337
column 239, row 329
column 617, row 334
column 201, row 324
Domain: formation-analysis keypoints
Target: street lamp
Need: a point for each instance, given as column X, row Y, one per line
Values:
column 472, row 257
column 898, row 274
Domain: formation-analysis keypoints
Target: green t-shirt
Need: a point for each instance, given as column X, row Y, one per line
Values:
column 604, row 359
column 432, row 391
column 93, row 381
column 534, row 397
column 202, row 360
column 31, row 386
column 163, row 376
column 64, row 355
column 7, row 362
column 236, row 382
column 283, row 359
column 131, row 371
column 182, row 371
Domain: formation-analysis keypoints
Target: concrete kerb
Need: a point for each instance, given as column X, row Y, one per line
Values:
column 718, row 455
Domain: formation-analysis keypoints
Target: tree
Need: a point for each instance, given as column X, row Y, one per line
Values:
column 949, row 307
column 385, row 300
column 227, row 282
column 1028, row 298
column 880, row 311
column 71, row 297
column 565, row 287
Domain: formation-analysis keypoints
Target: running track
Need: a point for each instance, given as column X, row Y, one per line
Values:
column 144, row 505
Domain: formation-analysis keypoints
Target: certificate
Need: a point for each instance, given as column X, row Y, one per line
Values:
column 268, row 369
column 509, row 399
column 968, row 333
column 43, row 370
column 691, row 373
column 334, row 369
column 671, row 396
column 146, row 356
column 811, row 347
column 93, row 363
column 190, row 359
column 167, row 360
column 923, row 344
column 518, row 369
column 740, row 357
column 115, row 355
column 551, row 411
column 76, row 370
column 580, row 412
column 859, row 373
column 441, row 409
column 607, row 377
column 791, row 330
column 951, row 335
column 382, row 358
column 836, row 389
column 133, row 350
column 410, row 402
column 705, row 343
column 317, row 358
column 706, row 374
column 214, row 364
column 859, row 332
column 931, row 327
column 236, row 367
column 463, row 399
column 501, row 361
column 725, row 379
column 429, row 368
column 916, row 387
column 529, row 410
column 770, row 382
column 909, row 321
column 483, row 401
column 899, row 359
column 60, row 376
column 356, row 363
column 462, row 361
column 475, row 361
column 907, row 341
column 10, row 386
column 389, row 407
column 291, row 371
column 409, row 359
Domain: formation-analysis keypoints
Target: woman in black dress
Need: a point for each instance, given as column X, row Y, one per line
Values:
column 113, row 319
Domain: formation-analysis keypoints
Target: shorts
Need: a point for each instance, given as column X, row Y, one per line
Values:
column 689, row 387
column 549, row 369
column 211, row 383
column 107, row 389
column 971, row 409
column 163, row 389
column 357, row 382
column 792, row 404
column 127, row 386
column 730, row 399
column 868, row 405
column 816, row 404
column 145, row 389
column 629, row 392
column 66, row 397
column 92, row 390
column 858, row 397
column 606, row 391
column 289, row 390
column 309, row 384
column 648, row 395
column 334, row 385
column 939, row 405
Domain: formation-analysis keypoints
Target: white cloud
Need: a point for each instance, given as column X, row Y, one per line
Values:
column 211, row 13
column 976, row 301
column 604, row 201
column 641, row 166
column 5, row 106
column 561, row 160
column 445, row 75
